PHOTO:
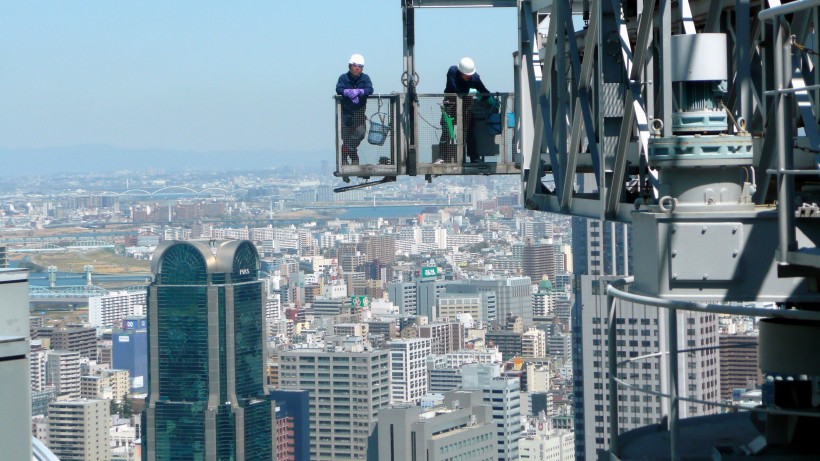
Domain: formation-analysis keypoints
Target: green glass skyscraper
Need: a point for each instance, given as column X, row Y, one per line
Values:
column 206, row 355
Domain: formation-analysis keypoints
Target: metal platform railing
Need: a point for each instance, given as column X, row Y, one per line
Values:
column 367, row 141
column 453, row 134
column 671, row 356
column 790, row 91
column 465, row 129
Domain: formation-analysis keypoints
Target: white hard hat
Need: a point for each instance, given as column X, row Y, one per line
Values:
column 357, row 59
column 466, row 66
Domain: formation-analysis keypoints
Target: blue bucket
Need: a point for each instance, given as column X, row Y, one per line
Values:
column 378, row 130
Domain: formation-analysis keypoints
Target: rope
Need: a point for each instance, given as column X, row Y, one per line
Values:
column 803, row 48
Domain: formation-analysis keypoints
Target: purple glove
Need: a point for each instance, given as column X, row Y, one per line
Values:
column 359, row 92
column 355, row 99
column 350, row 93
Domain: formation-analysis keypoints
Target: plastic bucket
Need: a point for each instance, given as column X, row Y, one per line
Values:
column 378, row 132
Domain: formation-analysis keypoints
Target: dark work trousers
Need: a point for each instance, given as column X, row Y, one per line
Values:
column 447, row 147
column 353, row 131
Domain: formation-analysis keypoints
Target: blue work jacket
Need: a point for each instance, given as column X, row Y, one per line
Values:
column 456, row 84
column 347, row 81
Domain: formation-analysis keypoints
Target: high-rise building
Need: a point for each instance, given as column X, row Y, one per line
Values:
column 419, row 297
column 602, row 248
column 82, row 340
column 488, row 299
column 292, row 424
column 347, row 388
column 37, row 366
column 538, row 260
column 444, row 337
column 380, row 247
column 543, row 303
column 534, row 343
column 504, row 395
column 738, row 364
column 129, row 351
column 452, row 304
column 513, row 295
column 408, row 369
column 78, row 430
column 109, row 310
column 206, row 374
column 508, row 343
column 15, row 407
column 461, row 428
column 63, row 372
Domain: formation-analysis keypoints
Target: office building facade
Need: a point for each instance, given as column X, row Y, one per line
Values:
column 461, row 428
column 504, row 396
column 206, row 363
column 347, row 388
column 513, row 295
column 129, row 351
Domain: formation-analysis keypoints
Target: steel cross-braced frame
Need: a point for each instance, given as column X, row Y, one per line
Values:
column 606, row 29
column 566, row 70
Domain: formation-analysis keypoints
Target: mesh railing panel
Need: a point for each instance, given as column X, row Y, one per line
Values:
column 368, row 136
column 465, row 128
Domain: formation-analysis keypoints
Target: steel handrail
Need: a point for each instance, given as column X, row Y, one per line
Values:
column 673, row 305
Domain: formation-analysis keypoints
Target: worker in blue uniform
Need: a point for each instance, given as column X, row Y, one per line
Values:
column 461, row 79
column 354, row 86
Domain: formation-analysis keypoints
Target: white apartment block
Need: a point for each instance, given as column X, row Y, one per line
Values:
column 230, row 233
column 258, row 234
column 547, row 444
column 534, row 343
column 327, row 240
column 79, row 429
column 458, row 358
column 408, row 369
column 463, row 240
column 37, row 365
column 285, row 238
column 543, row 304
column 63, row 372
column 108, row 310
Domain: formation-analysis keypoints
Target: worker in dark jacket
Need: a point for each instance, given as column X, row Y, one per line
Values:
column 460, row 80
column 354, row 87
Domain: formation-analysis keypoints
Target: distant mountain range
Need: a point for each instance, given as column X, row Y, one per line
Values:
column 76, row 159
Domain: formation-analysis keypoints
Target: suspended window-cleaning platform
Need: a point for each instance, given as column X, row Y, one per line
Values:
column 451, row 135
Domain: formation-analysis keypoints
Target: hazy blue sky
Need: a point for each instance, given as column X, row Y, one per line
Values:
column 214, row 76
